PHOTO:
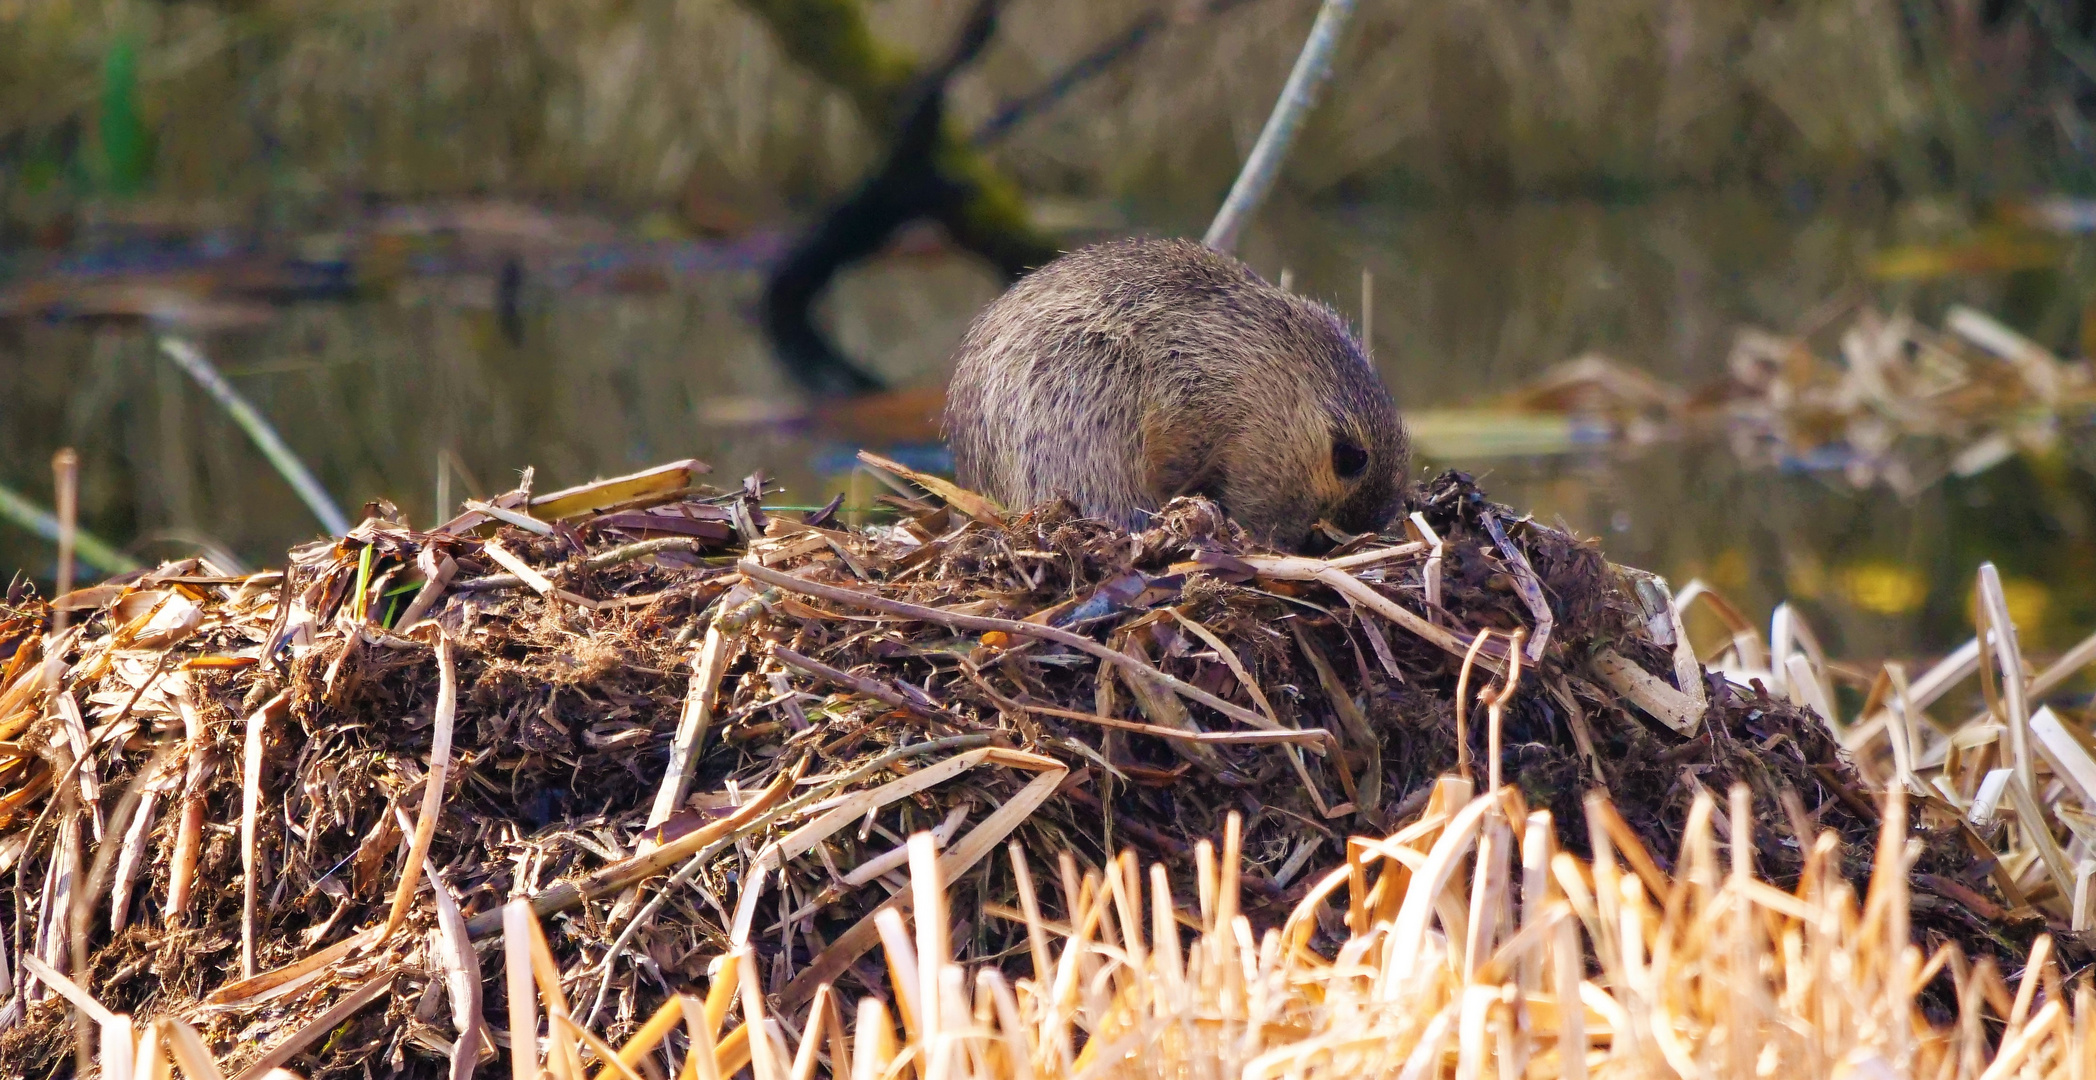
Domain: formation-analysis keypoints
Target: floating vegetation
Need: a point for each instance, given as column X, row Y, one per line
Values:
column 657, row 737
column 1884, row 401
column 1901, row 404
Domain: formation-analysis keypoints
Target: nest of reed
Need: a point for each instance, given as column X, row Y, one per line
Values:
column 287, row 808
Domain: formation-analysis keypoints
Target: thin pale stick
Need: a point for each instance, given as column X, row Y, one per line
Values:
column 1312, row 67
column 250, row 810
column 433, row 786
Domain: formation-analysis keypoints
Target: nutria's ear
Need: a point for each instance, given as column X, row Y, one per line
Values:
column 1179, row 458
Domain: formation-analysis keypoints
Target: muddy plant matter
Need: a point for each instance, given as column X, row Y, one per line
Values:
column 679, row 723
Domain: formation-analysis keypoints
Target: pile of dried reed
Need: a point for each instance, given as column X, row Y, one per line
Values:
column 283, row 807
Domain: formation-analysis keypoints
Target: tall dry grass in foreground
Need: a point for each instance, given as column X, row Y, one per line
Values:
column 1465, row 936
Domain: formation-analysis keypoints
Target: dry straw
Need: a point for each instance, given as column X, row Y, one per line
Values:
column 329, row 771
column 1471, row 947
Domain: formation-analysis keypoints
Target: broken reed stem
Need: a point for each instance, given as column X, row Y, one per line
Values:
column 1333, row 574
column 132, row 810
column 1495, row 706
column 433, row 785
column 700, row 699
column 250, row 812
column 437, row 572
column 189, row 828
column 1477, row 645
column 65, row 475
column 518, row 989
column 259, row 431
column 1368, row 314
column 2010, row 657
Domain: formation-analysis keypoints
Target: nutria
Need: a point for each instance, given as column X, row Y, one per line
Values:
column 1128, row 373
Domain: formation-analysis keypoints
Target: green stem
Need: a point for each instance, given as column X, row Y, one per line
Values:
column 92, row 550
column 259, row 431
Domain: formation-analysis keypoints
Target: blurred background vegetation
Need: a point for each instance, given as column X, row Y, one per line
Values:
column 284, row 107
column 438, row 242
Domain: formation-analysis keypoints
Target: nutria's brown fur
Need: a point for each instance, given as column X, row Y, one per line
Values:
column 1128, row 373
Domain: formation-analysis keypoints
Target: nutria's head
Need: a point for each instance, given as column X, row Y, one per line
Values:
column 1322, row 439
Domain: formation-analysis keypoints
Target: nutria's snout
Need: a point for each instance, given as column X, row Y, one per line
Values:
column 1129, row 373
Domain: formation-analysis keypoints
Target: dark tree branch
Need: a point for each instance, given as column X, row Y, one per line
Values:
column 1107, row 56
column 927, row 173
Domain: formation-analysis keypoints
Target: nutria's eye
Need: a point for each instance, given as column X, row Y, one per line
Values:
column 1348, row 460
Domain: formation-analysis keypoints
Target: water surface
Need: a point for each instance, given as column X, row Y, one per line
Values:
column 1467, row 302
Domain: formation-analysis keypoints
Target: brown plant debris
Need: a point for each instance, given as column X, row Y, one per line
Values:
column 680, row 725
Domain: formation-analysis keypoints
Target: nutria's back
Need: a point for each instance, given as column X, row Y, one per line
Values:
column 1128, row 373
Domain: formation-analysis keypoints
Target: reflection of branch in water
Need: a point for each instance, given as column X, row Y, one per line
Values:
column 509, row 300
column 927, row 173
